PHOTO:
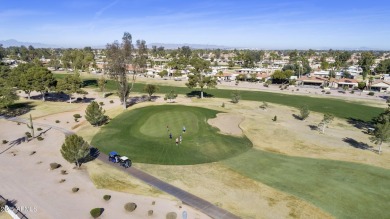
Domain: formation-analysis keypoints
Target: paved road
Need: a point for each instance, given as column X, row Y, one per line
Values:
column 186, row 197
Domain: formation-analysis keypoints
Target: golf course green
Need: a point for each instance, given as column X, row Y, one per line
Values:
column 143, row 135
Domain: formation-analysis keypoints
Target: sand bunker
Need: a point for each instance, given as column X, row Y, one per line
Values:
column 227, row 123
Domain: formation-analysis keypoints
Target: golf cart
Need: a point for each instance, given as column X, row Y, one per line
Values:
column 113, row 156
column 124, row 162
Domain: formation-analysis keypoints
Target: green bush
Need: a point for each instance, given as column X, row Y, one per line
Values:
column 75, row 189
column 352, row 92
column 40, row 138
column 62, row 180
column 39, row 129
column 275, row 118
column 28, row 134
column 96, row 212
column 5, row 141
column 107, row 197
column 63, row 172
column 76, row 117
column 371, row 93
column 54, row 166
column 171, row 215
column 33, row 152
column 101, row 103
column 58, row 121
column 223, row 104
column 327, row 92
column 131, row 206
column 150, row 212
column 111, row 101
column 236, row 96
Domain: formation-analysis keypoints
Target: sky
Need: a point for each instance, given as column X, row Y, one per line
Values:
column 262, row 24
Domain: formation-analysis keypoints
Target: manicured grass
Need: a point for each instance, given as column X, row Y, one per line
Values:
column 142, row 134
column 346, row 190
column 337, row 107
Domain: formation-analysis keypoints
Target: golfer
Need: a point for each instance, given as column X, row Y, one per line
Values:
column 177, row 141
column 184, row 129
column 180, row 139
column 170, row 135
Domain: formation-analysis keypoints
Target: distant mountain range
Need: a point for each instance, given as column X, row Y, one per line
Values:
column 12, row 42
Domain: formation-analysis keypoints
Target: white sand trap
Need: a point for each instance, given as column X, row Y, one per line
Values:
column 227, row 123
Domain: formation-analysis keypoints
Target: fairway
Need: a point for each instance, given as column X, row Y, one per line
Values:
column 345, row 190
column 338, row 107
column 143, row 135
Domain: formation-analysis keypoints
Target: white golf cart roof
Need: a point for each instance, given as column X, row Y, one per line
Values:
column 124, row 158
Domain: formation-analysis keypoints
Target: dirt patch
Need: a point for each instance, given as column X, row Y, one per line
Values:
column 227, row 123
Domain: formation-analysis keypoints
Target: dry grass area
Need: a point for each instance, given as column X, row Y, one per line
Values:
column 4, row 215
column 106, row 177
column 234, row 192
column 291, row 136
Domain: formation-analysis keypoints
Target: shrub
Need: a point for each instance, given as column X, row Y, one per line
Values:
column 352, row 92
column 275, row 118
column 171, row 215
column 5, row 141
column 323, row 91
column 28, row 134
column 58, row 121
column 96, row 212
column 33, row 152
column 107, row 197
column 371, row 93
column 236, row 96
column 40, row 138
column 304, row 111
column 264, row 106
column 327, row 92
column 111, row 101
column 223, row 104
column 131, row 206
column 63, row 172
column 2, row 204
column 265, row 85
column 54, row 166
column 76, row 117
column 101, row 103
column 62, row 180
column 39, row 129
column 75, row 189
column 153, row 202
column 18, row 123
column 150, row 212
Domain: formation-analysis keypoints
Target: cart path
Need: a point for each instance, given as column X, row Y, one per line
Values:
column 186, row 197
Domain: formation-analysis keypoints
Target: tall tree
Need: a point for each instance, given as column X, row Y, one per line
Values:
column 75, row 149
column 140, row 61
column 70, row 84
column 119, row 58
column 94, row 114
column 198, row 79
column 381, row 134
column 367, row 59
column 43, row 80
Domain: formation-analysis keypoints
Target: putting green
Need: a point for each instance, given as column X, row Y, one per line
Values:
column 143, row 135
